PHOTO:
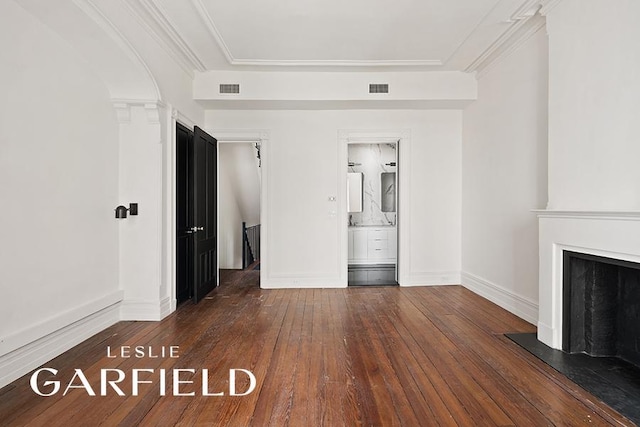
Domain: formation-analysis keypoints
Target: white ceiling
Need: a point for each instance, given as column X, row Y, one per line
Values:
column 334, row 34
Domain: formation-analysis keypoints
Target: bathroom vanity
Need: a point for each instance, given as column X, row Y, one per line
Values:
column 373, row 245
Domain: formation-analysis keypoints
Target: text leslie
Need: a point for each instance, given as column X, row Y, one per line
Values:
column 140, row 352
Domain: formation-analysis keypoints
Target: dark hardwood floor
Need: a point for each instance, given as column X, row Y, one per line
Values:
column 372, row 356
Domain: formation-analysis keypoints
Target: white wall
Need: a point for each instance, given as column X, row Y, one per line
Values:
column 504, row 170
column 240, row 162
column 65, row 67
column 59, row 175
column 304, row 238
column 443, row 86
column 594, row 105
column 229, row 224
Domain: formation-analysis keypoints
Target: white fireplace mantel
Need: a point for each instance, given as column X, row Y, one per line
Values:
column 603, row 215
column 603, row 233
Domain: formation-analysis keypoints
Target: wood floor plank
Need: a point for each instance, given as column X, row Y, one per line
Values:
column 532, row 381
column 369, row 356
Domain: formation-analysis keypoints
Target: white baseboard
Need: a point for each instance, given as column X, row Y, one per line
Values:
column 516, row 304
column 27, row 349
column 144, row 310
column 288, row 284
column 546, row 335
column 22, row 360
column 300, row 281
column 431, row 278
column 167, row 306
column 55, row 323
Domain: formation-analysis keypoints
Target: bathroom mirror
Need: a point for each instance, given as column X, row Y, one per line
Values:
column 354, row 191
column 388, row 191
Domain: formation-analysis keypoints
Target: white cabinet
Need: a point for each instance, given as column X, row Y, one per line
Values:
column 372, row 245
column 359, row 246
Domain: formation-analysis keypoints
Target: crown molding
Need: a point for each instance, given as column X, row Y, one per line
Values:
column 528, row 31
column 213, row 30
column 339, row 63
column 548, row 5
column 155, row 21
column 215, row 34
column 528, row 9
column 524, row 23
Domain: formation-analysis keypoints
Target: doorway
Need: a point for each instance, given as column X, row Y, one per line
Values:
column 239, row 197
column 196, row 214
column 372, row 200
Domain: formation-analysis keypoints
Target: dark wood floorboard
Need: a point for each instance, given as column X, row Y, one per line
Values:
column 376, row 356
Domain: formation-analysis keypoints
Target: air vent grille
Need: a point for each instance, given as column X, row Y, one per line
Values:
column 229, row 88
column 379, row 88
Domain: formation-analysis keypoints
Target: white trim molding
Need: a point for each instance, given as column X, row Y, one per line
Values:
column 169, row 175
column 153, row 109
column 432, row 278
column 240, row 135
column 93, row 11
column 184, row 120
column 605, row 215
column 261, row 137
column 354, row 136
column 49, row 326
column 155, row 21
column 524, row 25
column 602, row 233
column 142, row 310
column 27, row 349
column 548, row 6
column 514, row 303
column 300, row 281
column 217, row 37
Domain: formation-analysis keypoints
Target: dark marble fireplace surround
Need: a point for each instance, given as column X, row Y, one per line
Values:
column 601, row 307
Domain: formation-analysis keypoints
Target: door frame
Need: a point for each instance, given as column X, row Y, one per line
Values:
column 221, row 158
column 170, row 195
column 260, row 136
column 403, row 223
column 253, row 136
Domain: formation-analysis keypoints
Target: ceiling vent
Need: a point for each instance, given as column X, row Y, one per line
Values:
column 379, row 88
column 229, row 88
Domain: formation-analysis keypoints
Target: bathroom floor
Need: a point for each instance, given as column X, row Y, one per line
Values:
column 372, row 275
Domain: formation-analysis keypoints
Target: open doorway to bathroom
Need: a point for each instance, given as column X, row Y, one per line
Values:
column 372, row 194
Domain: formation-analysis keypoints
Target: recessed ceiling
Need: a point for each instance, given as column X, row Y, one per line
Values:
column 343, row 31
column 429, row 34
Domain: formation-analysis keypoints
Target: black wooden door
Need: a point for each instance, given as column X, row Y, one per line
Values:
column 184, row 213
column 204, row 228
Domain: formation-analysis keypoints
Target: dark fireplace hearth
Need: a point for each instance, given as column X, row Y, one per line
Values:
column 600, row 330
column 594, row 339
column 601, row 306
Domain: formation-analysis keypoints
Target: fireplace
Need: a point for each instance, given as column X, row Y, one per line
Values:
column 601, row 306
column 589, row 303
column 614, row 237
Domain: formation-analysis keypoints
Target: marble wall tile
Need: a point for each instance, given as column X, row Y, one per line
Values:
column 372, row 160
